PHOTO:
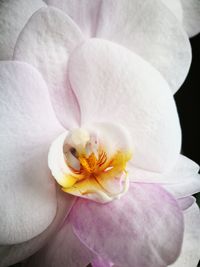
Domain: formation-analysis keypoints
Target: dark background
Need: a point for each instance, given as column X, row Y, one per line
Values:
column 188, row 104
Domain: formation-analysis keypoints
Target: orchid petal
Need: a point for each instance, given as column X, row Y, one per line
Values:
column 28, row 125
column 176, row 8
column 12, row 21
column 113, row 84
column 182, row 180
column 191, row 16
column 114, row 230
column 99, row 262
column 190, row 253
column 84, row 12
column 187, row 12
column 64, row 249
column 46, row 42
column 14, row 253
column 186, row 202
column 141, row 26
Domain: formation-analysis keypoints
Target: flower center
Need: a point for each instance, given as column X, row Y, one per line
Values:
column 91, row 169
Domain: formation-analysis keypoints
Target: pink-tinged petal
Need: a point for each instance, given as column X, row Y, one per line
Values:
column 113, row 84
column 46, row 42
column 28, row 126
column 64, row 249
column 191, row 16
column 15, row 253
column 136, row 230
column 186, row 202
column 190, row 253
column 141, row 26
column 99, row 262
column 13, row 17
column 181, row 180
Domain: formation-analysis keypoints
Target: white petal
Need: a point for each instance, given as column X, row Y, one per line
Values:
column 13, row 17
column 15, row 253
column 84, row 12
column 28, row 125
column 46, row 42
column 145, row 27
column 176, row 8
column 191, row 16
column 113, row 84
column 190, row 254
column 187, row 12
column 182, row 180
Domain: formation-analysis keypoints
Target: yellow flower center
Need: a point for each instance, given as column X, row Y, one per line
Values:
column 91, row 168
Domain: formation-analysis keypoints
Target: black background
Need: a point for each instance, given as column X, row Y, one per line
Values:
column 188, row 104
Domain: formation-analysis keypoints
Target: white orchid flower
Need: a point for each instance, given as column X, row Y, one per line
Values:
column 90, row 163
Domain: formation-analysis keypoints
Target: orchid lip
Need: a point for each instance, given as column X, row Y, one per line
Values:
column 85, row 166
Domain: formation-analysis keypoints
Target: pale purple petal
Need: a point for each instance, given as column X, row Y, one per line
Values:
column 136, row 230
column 186, row 202
column 99, row 262
column 28, row 126
column 46, row 42
column 64, row 249
column 131, row 93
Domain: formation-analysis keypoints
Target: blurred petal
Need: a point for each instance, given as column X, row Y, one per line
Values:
column 190, row 253
column 114, row 230
column 64, row 249
column 98, row 262
column 186, row 202
column 13, row 17
column 15, row 253
column 113, row 84
column 46, row 42
column 176, row 7
column 182, row 180
column 187, row 12
column 141, row 26
column 84, row 12
column 191, row 16
column 28, row 125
